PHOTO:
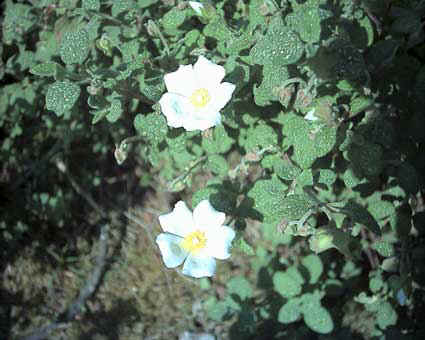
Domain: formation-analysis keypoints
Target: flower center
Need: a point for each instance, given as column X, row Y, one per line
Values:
column 194, row 242
column 200, row 98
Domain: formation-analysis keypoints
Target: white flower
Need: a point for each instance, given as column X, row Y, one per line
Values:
column 195, row 95
column 310, row 115
column 195, row 239
column 196, row 6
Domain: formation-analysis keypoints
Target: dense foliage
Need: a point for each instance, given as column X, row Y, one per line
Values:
column 318, row 163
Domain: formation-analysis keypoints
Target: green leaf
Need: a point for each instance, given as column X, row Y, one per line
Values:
column 219, row 142
column 216, row 310
column 121, row 6
column 314, row 266
column 360, row 215
column 360, row 104
column 306, row 21
column 329, row 237
column 18, row 19
column 261, row 136
column 239, row 286
column 268, row 196
column 294, row 207
column 145, row 3
column 92, row 5
column 152, row 126
column 217, row 164
column 386, row 315
column 286, row 170
column 74, row 47
column 368, row 158
column 287, row 284
column 279, row 47
column 218, row 29
column 115, row 111
column 290, row 311
column 408, row 177
column 272, row 233
column 318, row 319
column 271, row 86
column 310, row 141
column 326, row 176
column 61, row 96
column 385, row 249
column 172, row 20
column 45, row 69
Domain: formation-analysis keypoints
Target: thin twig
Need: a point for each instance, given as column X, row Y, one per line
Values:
column 86, row 291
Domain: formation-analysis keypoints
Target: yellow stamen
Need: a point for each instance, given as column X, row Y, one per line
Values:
column 194, row 242
column 200, row 98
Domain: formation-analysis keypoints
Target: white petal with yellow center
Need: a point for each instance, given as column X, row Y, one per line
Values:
column 195, row 95
column 200, row 98
column 195, row 239
column 194, row 242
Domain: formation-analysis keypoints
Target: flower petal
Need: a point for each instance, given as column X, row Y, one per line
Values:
column 196, row 6
column 182, row 82
column 208, row 73
column 222, row 94
column 202, row 121
column 178, row 222
column 219, row 241
column 199, row 266
column 169, row 245
column 173, row 106
column 205, row 216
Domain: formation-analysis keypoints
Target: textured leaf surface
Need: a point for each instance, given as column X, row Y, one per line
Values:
column 61, row 96
column 74, row 47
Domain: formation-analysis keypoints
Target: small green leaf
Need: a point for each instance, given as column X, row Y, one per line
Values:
column 287, row 284
column 268, row 196
column 45, row 69
column 173, row 19
column 385, row 249
column 75, row 46
column 326, row 176
column 279, row 47
column 318, row 319
column 295, row 206
column 271, row 86
column 61, row 96
column 360, row 104
column 219, row 142
column 289, row 312
column 239, row 286
column 152, row 126
column 306, row 21
column 314, row 266
column 261, row 136
column 360, row 215
column 217, row 164
column 92, row 5
column 386, row 315
column 286, row 170
column 121, row 6
column 115, row 111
